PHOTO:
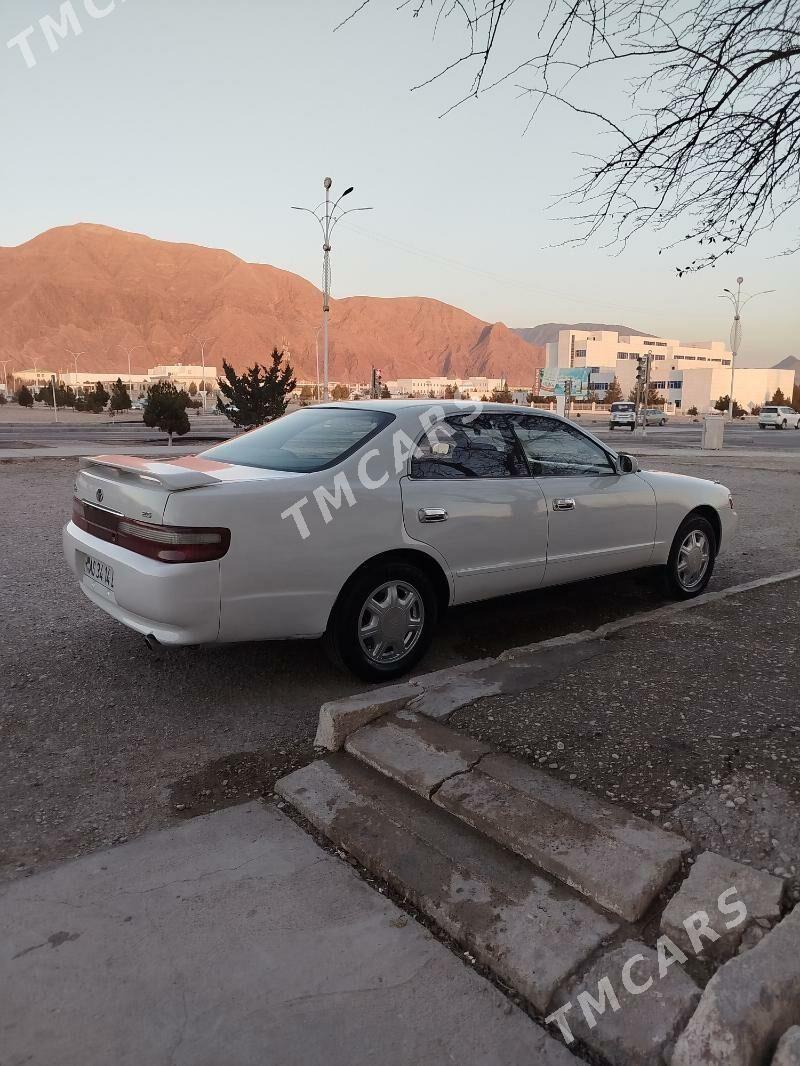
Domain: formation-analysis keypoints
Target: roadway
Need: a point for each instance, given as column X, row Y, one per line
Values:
column 207, row 429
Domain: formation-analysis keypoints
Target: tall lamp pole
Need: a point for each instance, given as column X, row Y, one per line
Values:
column 316, row 346
column 735, row 300
column 328, row 213
column 5, row 363
column 129, row 352
column 75, row 357
column 202, row 344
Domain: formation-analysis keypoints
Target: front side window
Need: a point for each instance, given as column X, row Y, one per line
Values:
column 313, row 438
column 556, row 449
column 469, row 447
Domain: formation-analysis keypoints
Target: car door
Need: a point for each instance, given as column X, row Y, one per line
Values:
column 469, row 495
column 601, row 521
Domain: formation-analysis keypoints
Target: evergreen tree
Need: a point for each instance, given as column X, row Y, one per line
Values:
column 385, row 394
column 778, row 398
column 25, row 397
column 120, row 400
column 192, row 389
column 340, row 392
column 502, row 395
column 165, row 409
column 258, row 395
column 614, row 392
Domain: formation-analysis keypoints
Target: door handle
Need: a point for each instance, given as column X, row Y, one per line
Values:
column 563, row 505
column 432, row 514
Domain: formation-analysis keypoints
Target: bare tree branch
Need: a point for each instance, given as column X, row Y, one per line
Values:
column 712, row 139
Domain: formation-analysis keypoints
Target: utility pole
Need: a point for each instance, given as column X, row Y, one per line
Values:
column 735, row 299
column 328, row 213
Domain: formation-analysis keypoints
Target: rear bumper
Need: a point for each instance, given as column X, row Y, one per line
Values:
column 179, row 603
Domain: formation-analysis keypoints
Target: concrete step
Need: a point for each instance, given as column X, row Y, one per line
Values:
column 529, row 931
column 617, row 860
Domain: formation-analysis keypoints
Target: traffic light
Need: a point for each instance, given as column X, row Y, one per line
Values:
column 641, row 369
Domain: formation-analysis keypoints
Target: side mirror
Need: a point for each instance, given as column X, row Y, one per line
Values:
column 627, row 464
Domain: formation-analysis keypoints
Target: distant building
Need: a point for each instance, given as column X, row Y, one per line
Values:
column 688, row 374
column 475, row 387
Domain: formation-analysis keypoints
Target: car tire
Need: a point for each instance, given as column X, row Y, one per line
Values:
column 784, row 424
column 761, row 427
column 408, row 593
column 687, row 572
column 663, row 422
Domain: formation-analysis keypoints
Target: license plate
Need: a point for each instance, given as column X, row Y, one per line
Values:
column 102, row 573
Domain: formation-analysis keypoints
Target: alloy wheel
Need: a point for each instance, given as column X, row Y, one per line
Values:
column 694, row 556
column 390, row 622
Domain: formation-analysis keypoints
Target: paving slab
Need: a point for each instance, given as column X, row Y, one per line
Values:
column 625, row 1010
column 530, row 932
column 616, row 859
column 415, row 751
column 787, row 1053
column 234, row 939
column 748, row 1004
column 710, row 877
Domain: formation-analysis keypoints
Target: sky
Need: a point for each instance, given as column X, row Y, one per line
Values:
column 203, row 122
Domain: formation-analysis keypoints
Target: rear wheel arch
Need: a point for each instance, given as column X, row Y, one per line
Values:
column 412, row 557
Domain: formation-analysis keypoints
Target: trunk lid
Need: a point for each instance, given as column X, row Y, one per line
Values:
column 139, row 488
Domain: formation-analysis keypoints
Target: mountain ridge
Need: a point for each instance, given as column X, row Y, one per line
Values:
column 547, row 332
column 100, row 291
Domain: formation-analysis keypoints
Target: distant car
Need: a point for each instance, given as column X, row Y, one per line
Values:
column 138, row 405
column 622, row 416
column 653, row 416
column 365, row 521
column 779, row 418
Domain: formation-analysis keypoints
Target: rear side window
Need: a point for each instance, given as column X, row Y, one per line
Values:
column 469, row 447
column 556, row 449
column 313, row 438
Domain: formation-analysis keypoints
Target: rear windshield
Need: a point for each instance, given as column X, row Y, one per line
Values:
column 769, row 410
column 622, row 407
column 307, row 440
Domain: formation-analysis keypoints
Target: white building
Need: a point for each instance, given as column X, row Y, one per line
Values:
column 180, row 374
column 688, row 374
column 475, row 387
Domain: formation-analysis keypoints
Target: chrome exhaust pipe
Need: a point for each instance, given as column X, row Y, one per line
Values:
column 152, row 643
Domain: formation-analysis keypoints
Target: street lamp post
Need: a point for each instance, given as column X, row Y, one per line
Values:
column 735, row 300
column 202, row 344
column 129, row 352
column 5, row 363
column 316, row 346
column 75, row 357
column 328, row 213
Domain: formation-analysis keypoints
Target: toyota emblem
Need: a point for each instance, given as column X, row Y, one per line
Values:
column 99, row 495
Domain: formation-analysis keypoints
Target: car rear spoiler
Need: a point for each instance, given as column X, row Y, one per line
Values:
column 189, row 472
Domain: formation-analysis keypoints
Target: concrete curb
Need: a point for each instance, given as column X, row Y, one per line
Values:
column 441, row 692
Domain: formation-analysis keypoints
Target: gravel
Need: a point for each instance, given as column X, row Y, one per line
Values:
column 100, row 739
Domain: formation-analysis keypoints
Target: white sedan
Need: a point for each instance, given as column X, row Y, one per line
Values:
column 364, row 521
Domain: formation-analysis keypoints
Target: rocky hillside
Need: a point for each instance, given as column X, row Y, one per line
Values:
column 95, row 290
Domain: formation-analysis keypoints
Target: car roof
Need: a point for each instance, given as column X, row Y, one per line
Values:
column 450, row 407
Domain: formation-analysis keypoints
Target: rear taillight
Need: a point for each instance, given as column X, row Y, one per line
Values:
column 167, row 544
